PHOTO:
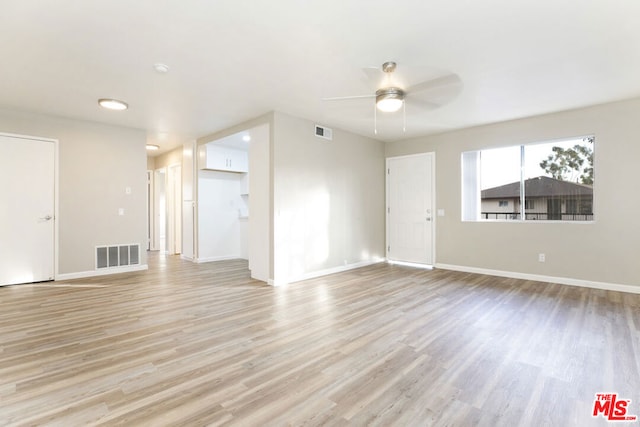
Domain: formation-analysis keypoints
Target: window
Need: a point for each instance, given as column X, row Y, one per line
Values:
column 586, row 206
column 551, row 181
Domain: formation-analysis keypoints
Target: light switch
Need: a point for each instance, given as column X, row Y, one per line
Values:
column 127, row 190
column 120, row 211
column 440, row 212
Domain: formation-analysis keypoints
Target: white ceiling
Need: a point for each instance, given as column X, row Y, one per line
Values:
column 233, row 60
column 237, row 141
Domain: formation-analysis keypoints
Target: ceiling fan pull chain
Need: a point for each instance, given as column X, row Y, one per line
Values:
column 404, row 116
column 375, row 119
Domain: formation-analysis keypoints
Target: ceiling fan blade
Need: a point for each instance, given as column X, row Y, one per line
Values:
column 449, row 81
column 345, row 98
column 422, row 104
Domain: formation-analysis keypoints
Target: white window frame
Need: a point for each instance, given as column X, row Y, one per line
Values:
column 471, row 202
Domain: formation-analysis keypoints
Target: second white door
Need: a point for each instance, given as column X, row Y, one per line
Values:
column 410, row 216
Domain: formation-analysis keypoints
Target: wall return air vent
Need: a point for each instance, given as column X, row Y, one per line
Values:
column 117, row 256
column 324, row 132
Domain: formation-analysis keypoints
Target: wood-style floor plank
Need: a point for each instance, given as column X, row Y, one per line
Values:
column 204, row 344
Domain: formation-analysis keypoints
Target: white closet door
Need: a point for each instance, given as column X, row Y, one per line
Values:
column 27, row 231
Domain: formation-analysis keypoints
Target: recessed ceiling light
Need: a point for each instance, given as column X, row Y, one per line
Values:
column 112, row 104
column 161, row 68
column 246, row 138
column 152, row 147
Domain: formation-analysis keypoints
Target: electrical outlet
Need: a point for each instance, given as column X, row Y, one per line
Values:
column 542, row 258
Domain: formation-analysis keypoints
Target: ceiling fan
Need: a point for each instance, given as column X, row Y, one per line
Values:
column 392, row 96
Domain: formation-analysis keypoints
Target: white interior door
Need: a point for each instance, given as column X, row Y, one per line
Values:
column 27, row 231
column 160, row 210
column 150, row 215
column 174, row 209
column 410, row 216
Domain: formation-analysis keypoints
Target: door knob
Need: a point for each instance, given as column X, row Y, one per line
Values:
column 47, row 218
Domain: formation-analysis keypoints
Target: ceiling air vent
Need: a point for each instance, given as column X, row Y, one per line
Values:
column 324, row 132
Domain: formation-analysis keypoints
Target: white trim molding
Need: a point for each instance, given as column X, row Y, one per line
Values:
column 217, row 258
column 541, row 278
column 101, row 272
column 411, row 264
column 325, row 272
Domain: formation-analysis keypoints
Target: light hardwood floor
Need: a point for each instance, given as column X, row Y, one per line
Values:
column 186, row 344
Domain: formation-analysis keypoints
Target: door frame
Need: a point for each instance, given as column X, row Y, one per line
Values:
column 56, row 202
column 433, row 200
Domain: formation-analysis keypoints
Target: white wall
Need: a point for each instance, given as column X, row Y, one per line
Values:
column 605, row 251
column 219, row 226
column 260, row 220
column 259, row 226
column 316, row 206
column 164, row 160
column 96, row 163
column 328, row 200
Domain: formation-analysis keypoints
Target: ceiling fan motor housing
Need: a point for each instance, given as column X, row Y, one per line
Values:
column 389, row 67
column 389, row 93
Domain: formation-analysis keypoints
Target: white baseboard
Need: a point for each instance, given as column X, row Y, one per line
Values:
column 187, row 258
column 411, row 264
column 541, row 278
column 325, row 272
column 216, row 258
column 102, row 272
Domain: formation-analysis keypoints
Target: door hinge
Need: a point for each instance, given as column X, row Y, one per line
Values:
column 388, row 248
column 388, row 210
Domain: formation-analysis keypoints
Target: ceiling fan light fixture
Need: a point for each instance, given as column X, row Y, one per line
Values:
column 389, row 100
column 389, row 105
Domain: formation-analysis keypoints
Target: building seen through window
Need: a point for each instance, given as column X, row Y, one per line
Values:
column 543, row 182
